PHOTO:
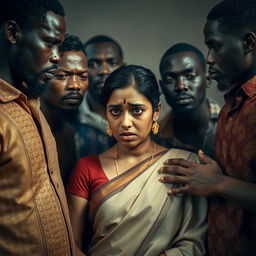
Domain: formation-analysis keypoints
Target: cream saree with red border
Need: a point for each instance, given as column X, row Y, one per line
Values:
column 132, row 214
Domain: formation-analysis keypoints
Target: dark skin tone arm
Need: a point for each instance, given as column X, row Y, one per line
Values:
column 208, row 180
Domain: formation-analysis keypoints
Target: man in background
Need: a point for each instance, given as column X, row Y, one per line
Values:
column 34, row 217
column 104, row 55
column 62, row 99
column 191, row 123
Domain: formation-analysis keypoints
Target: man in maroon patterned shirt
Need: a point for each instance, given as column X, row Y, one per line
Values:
column 230, row 35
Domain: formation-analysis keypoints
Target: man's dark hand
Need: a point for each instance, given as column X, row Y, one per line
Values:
column 198, row 179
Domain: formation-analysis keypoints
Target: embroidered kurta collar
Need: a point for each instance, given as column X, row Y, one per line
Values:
column 10, row 93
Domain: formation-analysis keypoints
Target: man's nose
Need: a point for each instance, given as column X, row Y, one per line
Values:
column 210, row 58
column 104, row 69
column 180, row 84
column 55, row 57
column 74, row 83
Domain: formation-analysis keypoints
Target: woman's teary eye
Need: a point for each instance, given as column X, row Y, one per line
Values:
column 115, row 111
column 137, row 111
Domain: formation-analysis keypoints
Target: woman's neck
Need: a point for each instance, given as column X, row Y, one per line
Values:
column 141, row 150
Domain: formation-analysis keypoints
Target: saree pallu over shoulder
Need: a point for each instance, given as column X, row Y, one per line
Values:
column 132, row 215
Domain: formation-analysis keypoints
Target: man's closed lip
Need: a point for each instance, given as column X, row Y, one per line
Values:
column 183, row 97
column 213, row 73
column 183, row 100
column 48, row 74
column 73, row 98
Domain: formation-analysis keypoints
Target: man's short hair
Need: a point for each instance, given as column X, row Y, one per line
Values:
column 234, row 14
column 25, row 12
column 104, row 39
column 71, row 43
column 183, row 47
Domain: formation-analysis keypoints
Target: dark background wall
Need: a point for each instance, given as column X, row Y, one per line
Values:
column 144, row 28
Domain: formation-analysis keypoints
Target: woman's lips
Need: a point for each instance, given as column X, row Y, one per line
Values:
column 126, row 136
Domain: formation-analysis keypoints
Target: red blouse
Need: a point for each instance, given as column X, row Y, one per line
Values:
column 86, row 177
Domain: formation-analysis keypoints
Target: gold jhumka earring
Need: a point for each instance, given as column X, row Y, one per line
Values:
column 155, row 127
column 108, row 131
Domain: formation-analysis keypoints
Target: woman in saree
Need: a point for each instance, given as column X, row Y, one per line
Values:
column 119, row 191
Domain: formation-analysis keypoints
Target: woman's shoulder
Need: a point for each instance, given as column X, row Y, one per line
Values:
column 176, row 152
column 88, row 167
column 88, row 162
column 181, row 153
column 88, row 158
column 184, row 154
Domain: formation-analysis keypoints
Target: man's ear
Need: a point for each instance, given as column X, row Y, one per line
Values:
column 249, row 41
column 11, row 31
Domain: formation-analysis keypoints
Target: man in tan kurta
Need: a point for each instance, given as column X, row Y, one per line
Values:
column 34, row 218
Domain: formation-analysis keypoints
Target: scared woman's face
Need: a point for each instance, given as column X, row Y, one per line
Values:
column 130, row 116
